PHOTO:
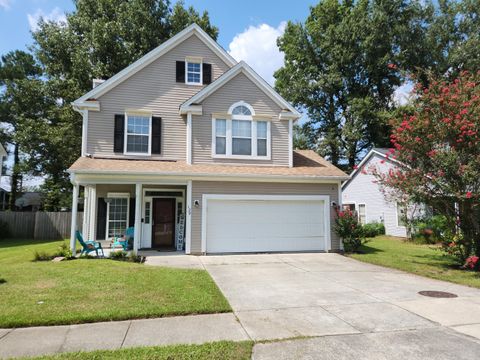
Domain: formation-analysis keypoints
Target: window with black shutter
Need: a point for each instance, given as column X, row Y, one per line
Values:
column 119, row 133
column 156, row 135
column 180, row 76
column 207, row 73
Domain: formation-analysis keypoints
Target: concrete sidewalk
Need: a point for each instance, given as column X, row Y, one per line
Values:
column 196, row 329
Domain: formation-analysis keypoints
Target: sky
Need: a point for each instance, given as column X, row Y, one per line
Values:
column 248, row 29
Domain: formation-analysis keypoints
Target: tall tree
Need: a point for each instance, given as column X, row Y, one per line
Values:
column 343, row 64
column 22, row 102
column 99, row 38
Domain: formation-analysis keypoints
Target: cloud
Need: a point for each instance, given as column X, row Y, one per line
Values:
column 257, row 46
column 5, row 4
column 403, row 94
column 56, row 15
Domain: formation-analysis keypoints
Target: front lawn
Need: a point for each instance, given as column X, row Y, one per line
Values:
column 425, row 260
column 210, row 351
column 80, row 291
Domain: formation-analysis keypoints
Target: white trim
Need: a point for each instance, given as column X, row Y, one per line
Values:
column 241, row 67
column 188, row 218
column 189, row 138
column 396, row 215
column 287, row 115
column 194, row 60
column 73, row 227
column 193, row 109
column 116, row 195
column 340, row 207
column 241, row 103
column 290, row 143
column 358, row 212
column 84, row 132
column 93, row 212
column 138, row 218
column 229, row 137
column 125, row 134
column 152, row 56
column 324, row 198
column 86, row 105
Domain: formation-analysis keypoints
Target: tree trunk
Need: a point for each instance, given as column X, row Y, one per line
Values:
column 16, row 178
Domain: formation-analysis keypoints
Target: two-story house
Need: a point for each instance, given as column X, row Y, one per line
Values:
column 195, row 151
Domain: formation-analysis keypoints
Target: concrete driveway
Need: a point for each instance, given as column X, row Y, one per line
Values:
column 365, row 311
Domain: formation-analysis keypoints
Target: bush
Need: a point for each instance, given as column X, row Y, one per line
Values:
column 373, row 229
column 124, row 256
column 350, row 230
column 4, row 230
column 62, row 251
column 430, row 230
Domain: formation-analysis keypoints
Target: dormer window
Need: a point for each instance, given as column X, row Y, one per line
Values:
column 193, row 71
column 239, row 135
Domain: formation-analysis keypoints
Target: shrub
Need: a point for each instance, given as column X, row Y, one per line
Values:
column 431, row 230
column 472, row 263
column 373, row 229
column 349, row 229
column 4, row 230
column 42, row 256
column 62, row 251
column 124, row 256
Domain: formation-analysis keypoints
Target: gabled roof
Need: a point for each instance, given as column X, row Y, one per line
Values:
column 152, row 56
column 383, row 152
column 241, row 67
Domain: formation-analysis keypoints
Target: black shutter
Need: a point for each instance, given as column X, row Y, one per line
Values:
column 101, row 218
column 156, row 135
column 131, row 213
column 180, row 71
column 207, row 73
column 119, row 133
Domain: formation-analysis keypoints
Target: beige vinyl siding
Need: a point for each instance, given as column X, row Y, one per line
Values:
column 154, row 88
column 261, row 188
column 238, row 89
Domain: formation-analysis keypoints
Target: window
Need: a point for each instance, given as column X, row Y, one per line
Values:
column 138, row 134
column 362, row 214
column 401, row 214
column 241, row 136
column 117, row 215
column 147, row 212
column 221, row 136
column 193, row 71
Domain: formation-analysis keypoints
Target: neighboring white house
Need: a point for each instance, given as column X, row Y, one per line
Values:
column 3, row 153
column 362, row 194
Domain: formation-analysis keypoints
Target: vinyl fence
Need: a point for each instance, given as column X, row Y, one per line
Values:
column 39, row 225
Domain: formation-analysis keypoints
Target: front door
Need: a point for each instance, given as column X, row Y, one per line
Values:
column 163, row 224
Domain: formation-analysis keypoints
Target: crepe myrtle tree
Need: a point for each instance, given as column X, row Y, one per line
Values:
column 438, row 148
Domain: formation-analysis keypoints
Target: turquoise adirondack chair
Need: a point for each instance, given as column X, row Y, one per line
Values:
column 126, row 242
column 89, row 246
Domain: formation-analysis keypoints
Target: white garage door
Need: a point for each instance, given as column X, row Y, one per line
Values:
column 282, row 223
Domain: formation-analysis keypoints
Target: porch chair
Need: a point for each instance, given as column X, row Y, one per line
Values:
column 89, row 246
column 126, row 242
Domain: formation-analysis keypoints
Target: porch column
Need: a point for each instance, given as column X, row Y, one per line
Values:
column 138, row 217
column 86, row 212
column 93, row 213
column 188, row 219
column 74, row 218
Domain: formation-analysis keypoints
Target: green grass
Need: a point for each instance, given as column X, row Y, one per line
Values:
column 424, row 260
column 210, row 351
column 92, row 290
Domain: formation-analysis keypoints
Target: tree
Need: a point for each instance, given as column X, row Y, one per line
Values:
column 99, row 38
column 438, row 146
column 22, row 102
column 343, row 71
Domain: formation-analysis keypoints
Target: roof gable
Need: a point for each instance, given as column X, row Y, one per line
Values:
column 382, row 152
column 241, row 67
column 152, row 56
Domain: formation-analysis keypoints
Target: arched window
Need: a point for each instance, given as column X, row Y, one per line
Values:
column 239, row 135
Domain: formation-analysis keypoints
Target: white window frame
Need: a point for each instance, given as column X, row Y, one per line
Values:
column 116, row 196
column 358, row 212
column 125, row 146
column 229, row 138
column 194, row 60
column 397, row 204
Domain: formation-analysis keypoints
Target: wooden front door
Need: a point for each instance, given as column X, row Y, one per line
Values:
column 163, row 225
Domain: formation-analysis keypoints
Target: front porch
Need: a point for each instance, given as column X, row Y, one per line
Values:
column 156, row 214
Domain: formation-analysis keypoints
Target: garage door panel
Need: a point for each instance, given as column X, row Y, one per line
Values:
column 265, row 225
